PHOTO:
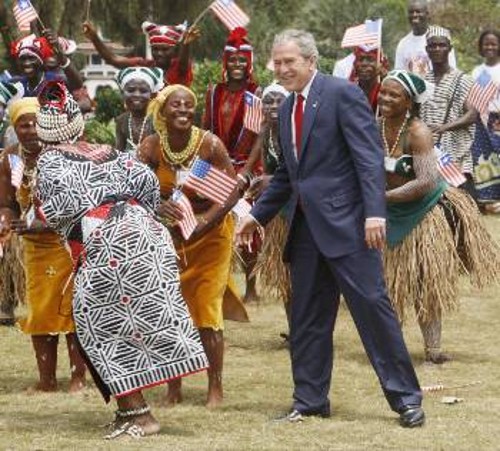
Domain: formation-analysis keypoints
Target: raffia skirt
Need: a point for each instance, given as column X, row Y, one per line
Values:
column 273, row 274
column 423, row 271
column 12, row 279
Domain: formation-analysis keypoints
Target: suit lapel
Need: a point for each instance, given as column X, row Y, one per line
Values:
column 312, row 106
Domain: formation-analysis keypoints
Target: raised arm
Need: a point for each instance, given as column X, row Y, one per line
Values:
column 111, row 58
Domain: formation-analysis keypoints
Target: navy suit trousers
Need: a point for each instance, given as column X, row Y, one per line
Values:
column 317, row 282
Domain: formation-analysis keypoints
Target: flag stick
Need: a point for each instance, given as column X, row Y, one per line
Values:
column 87, row 15
column 201, row 15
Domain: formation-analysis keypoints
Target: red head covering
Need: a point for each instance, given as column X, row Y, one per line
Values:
column 39, row 47
column 366, row 50
column 163, row 34
column 237, row 42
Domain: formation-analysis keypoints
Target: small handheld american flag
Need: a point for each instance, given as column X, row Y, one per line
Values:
column 368, row 33
column 189, row 222
column 210, row 182
column 252, row 120
column 483, row 91
column 447, row 168
column 230, row 14
column 24, row 13
column 16, row 170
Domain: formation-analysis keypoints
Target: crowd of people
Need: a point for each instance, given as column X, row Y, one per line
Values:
column 346, row 194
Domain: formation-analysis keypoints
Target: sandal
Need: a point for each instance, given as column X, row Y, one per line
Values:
column 128, row 428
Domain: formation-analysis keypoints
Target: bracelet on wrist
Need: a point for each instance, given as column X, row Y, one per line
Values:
column 66, row 64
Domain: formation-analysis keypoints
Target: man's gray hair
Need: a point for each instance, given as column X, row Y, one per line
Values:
column 304, row 40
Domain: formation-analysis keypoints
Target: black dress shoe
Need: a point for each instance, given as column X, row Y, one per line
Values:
column 411, row 416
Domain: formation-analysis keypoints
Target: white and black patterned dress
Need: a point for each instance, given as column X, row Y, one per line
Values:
column 131, row 319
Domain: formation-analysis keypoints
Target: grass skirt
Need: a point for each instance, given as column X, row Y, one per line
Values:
column 273, row 274
column 423, row 271
column 12, row 279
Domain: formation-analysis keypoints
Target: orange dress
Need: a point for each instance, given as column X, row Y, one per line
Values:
column 205, row 267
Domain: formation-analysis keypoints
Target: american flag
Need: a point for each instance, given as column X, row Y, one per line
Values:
column 242, row 208
column 230, row 14
column 483, row 91
column 189, row 222
column 368, row 33
column 448, row 170
column 24, row 13
column 252, row 120
column 16, row 170
column 210, row 182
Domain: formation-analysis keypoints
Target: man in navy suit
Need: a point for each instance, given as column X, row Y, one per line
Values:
column 332, row 173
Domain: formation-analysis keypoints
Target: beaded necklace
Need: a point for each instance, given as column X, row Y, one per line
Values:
column 141, row 133
column 270, row 145
column 390, row 152
column 179, row 158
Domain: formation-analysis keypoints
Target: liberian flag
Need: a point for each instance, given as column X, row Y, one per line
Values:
column 16, row 170
column 189, row 222
column 210, row 182
column 448, row 170
column 24, row 13
column 368, row 33
column 252, row 120
column 242, row 208
column 230, row 14
column 483, row 91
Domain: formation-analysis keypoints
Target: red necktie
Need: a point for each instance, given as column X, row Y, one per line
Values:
column 297, row 117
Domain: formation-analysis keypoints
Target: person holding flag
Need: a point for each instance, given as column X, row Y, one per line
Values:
column 447, row 112
column 46, row 262
column 182, row 156
column 170, row 48
column 486, row 146
column 434, row 230
column 224, row 115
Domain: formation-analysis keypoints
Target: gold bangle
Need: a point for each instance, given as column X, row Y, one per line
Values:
column 202, row 220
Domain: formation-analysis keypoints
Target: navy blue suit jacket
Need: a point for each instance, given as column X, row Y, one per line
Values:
column 340, row 177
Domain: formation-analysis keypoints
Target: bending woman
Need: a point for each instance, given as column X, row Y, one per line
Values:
column 434, row 230
column 131, row 320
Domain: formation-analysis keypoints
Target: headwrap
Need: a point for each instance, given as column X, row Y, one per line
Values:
column 415, row 86
column 40, row 48
column 237, row 42
column 26, row 105
column 59, row 119
column 29, row 45
column 371, row 50
column 437, row 31
column 275, row 87
column 156, row 105
column 9, row 92
column 153, row 76
column 164, row 34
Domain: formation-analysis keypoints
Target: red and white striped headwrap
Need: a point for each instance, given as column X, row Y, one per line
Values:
column 163, row 34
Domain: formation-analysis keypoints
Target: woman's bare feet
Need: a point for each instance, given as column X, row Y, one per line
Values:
column 214, row 397
column 77, row 384
column 42, row 387
column 174, row 393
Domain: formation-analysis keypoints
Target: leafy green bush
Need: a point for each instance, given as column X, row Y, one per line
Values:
column 109, row 104
column 100, row 133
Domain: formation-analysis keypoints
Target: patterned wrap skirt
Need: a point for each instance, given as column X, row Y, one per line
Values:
column 131, row 320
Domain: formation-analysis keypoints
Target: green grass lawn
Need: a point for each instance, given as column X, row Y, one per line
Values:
column 258, row 386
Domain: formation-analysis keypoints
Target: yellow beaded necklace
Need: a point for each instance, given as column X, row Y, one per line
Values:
column 179, row 158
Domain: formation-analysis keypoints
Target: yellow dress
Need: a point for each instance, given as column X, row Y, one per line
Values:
column 49, row 284
column 205, row 267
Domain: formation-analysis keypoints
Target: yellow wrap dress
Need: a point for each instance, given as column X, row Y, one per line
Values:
column 49, row 284
column 205, row 266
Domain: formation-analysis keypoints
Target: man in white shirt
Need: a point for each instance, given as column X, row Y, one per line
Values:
column 411, row 54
